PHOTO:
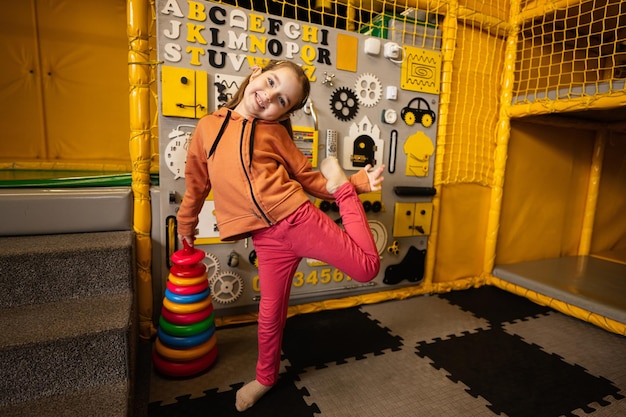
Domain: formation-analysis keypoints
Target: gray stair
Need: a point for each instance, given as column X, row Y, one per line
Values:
column 67, row 325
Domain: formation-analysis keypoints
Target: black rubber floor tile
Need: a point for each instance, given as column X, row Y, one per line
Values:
column 332, row 336
column 283, row 400
column 494, row 304
column 517, row 378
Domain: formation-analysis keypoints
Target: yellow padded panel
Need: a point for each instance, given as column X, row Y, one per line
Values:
column 464, row 211
column 20, row 85
column 72, row 106
column 545, row 190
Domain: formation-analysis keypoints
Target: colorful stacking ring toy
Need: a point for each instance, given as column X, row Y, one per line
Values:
column 184, row 369
column 186, row 308
column 186, row 330
column 186, row 339
column 187, row 289
column 186, row 299
column 185, row 355
column 189, row 318
column 178, row 342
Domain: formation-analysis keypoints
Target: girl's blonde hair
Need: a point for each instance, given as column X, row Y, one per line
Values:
column 272, row 65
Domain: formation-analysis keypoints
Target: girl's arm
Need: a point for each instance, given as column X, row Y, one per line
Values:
column 198, row 186
column 314, row 183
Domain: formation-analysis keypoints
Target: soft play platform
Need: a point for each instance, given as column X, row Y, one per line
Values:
column 41, row 202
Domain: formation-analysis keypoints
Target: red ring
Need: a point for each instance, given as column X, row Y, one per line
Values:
column 187, row 290
column 183, row 369
column 188, row 271
column 189, row 318
column 188, row 257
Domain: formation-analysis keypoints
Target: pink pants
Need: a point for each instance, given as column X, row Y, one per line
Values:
column 308, row 232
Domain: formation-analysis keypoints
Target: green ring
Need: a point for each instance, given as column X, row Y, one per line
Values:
column 186, row 330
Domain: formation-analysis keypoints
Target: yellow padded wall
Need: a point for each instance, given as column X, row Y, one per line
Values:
column 462, row 220
column 20, row 85
column 72, row 105
column 545, row 190
column 609, row 232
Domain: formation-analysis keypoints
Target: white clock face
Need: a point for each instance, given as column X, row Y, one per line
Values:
column 176, row 150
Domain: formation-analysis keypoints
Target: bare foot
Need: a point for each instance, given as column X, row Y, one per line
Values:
column 333, row 173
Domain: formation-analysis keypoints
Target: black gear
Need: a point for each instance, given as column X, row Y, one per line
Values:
column 344, row 104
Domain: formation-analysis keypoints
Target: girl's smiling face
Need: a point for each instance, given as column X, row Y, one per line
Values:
column 270, row 95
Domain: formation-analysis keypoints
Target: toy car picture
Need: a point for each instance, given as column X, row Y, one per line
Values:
column 418, row 110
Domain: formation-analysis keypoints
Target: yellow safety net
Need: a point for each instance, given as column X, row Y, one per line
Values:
column 570, row 55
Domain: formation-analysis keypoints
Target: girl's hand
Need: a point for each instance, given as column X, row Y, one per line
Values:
column 188, row 239
column 375, row 176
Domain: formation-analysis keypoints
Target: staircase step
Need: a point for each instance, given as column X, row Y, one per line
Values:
column 110, row 400
column 42, row 323
column 49, row 268
column 68, row 334
column 58, row 349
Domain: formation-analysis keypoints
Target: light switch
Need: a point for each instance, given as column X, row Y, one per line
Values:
column 372, row 46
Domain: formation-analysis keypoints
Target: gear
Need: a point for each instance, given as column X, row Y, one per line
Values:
column 253, row 259
column 226, row 287
column 212, row 265
column 369, row 90
column 344, row 104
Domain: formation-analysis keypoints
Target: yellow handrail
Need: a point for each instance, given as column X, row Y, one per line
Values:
column 139, row 76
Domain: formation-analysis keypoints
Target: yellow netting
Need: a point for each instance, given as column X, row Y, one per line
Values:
column 570, row 50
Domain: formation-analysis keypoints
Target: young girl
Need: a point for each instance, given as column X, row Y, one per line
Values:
column 245, row 153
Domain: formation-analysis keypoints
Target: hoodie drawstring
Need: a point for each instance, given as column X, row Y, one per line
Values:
column 251, row 141
column 219, row 134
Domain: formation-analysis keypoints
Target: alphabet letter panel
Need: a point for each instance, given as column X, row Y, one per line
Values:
column 364, row 108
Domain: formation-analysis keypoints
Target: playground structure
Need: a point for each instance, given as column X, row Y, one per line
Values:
column 529, row 157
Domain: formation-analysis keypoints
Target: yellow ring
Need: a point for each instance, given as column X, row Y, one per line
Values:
column 185, row 282
column 184, row 355
column 186, row 308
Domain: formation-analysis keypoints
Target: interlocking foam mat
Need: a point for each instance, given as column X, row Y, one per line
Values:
column 479, row 352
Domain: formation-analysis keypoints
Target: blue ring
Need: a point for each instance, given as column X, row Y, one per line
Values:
column 186, row 299
column 177, row 342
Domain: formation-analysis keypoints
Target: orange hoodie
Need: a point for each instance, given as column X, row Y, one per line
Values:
column 257, row 174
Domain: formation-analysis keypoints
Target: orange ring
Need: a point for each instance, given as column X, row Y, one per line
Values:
column 186, row 308
column 185, row 355
column 186, row 318
column 185, row 282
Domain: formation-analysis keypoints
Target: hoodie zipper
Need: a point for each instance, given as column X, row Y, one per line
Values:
column 245, row 170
